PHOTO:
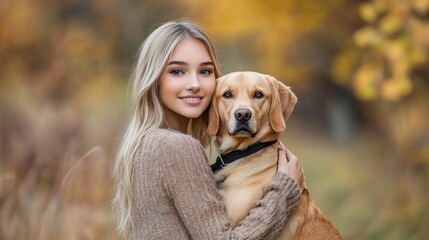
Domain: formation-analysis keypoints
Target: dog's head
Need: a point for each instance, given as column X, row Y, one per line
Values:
column 249, row 107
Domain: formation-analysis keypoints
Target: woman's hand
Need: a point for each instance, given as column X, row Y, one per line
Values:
column 288, row 163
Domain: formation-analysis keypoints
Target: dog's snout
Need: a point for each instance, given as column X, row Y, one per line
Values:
column 243, row 114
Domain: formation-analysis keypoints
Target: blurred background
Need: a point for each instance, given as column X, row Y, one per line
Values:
column 360, row 70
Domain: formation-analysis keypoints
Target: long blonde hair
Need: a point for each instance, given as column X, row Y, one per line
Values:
column 148, row 112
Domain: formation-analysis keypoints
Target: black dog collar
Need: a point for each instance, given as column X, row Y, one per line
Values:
column 224, row 160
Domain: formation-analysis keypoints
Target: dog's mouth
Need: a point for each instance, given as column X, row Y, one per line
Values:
column 243, row 130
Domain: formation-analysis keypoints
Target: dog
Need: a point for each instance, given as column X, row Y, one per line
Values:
column 250, row 109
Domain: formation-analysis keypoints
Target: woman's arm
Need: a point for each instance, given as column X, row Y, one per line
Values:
column 192, row 188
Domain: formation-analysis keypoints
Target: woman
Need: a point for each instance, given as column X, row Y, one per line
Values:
column 164, row 186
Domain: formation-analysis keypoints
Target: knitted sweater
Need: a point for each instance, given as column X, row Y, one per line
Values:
column 175, row 195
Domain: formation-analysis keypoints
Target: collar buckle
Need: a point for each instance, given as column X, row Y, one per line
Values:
column 222, row 163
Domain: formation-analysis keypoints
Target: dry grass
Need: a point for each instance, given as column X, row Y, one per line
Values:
column 55, row 168
column 77, row 207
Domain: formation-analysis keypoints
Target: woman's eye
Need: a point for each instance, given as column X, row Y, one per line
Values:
column 206, row 72
column 176, row 72
column 227, row 94
column 258, row 94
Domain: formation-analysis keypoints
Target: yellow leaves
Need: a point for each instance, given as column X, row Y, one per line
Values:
column 366, row 80
column 369, row 83
column 417, row 55
column 366, row 36
column 421, row 32
column 399, row 84
column 395, row 88
column 343, row 64
column 394, row 43
column 421, row 6
column 390, row 80
column 368, row 12
column 394, row 50
column 391, row 23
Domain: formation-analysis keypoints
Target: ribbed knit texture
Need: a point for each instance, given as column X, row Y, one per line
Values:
column 175, row 195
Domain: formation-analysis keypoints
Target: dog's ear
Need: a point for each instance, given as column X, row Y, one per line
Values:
column 213, row 118
column 283, row 101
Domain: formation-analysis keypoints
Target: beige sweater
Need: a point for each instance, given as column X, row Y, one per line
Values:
column 175, row 195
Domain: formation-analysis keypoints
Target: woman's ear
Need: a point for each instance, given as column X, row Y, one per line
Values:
column 283, row 101
column 213, row 119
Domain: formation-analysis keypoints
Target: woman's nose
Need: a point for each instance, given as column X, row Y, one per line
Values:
column 194, row 83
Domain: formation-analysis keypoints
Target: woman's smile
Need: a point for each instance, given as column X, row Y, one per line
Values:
column 192, row 100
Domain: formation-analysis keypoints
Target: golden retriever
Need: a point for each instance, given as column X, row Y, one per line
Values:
column 250, row 108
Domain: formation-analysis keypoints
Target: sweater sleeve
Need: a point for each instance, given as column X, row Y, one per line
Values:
column 191, row 186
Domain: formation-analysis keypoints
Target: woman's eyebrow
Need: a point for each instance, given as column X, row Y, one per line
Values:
column 177, row 63
column 207, row 63
column 184, row 63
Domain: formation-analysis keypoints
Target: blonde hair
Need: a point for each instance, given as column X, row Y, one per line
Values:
column 148, row 112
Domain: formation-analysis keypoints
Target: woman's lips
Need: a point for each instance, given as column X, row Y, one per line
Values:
column 191, row 100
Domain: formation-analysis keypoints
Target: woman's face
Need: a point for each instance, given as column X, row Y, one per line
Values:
column 187, row 86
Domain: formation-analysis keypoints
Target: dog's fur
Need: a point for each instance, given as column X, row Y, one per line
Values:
column 267, row 103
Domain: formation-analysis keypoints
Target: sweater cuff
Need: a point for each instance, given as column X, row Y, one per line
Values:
column 287, row 186
column 282, row 180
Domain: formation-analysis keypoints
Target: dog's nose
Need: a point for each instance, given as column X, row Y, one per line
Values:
column 242, row 115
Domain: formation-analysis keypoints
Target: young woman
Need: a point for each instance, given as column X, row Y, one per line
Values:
column 164, row 186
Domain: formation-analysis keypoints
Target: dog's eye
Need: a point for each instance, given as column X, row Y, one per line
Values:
column 258, row 94
column 227, row 94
